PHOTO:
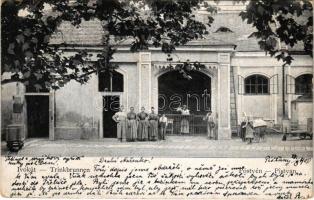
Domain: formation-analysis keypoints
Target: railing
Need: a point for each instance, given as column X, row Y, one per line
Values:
column 197, row 126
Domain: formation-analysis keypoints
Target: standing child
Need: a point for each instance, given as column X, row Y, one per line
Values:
column 249, row 132
column 163, row 126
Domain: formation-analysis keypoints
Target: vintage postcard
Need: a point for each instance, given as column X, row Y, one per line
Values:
column 157, row 99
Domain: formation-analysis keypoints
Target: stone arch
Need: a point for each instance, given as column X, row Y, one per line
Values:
column 206, row 72
column 174, row 91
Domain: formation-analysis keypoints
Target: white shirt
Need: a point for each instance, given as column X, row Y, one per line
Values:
column 184, row 112
column 119, row 116
column 163, row 119
column 210, row 118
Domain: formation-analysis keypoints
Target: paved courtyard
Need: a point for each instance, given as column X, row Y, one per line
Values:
column 173, row 146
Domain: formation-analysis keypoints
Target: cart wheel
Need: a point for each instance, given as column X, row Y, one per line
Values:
column 21, row 145
column 284, row 138
column 302, row 136
column 257, row 138
column 13, row 149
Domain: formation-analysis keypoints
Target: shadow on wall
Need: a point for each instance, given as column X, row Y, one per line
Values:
column 72, row 125
column 6, row 112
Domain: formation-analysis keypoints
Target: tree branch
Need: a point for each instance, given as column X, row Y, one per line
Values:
column 6, row 81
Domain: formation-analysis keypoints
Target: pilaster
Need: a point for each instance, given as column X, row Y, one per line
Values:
column 224, row 128
column 144, row 80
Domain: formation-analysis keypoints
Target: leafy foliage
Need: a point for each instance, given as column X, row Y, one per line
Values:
column 281, row 25
column 28, row 25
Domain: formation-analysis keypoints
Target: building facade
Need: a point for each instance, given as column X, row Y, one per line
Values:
column 237, row 77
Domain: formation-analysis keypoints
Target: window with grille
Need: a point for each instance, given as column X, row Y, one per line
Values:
column 256, row 84
column 303, row 84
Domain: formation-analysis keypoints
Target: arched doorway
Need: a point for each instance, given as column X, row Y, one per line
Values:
column 112, row 86
column 174, row 91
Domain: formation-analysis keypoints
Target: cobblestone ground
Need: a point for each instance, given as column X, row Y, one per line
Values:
column 173, row 146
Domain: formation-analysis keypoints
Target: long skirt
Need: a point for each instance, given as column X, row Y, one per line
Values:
column 121, row 130
column 132, row 130
column 185, row 126
column 242, row 131
column 142, row 129
column 249, row 133
column 153, row 130
column 210, row 131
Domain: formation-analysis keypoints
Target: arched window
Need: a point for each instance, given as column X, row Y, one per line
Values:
column 110, row 82
column 256, row 84
column 303, row 84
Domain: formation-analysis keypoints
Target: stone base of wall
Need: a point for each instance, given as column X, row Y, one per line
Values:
column 224, row 133
column 70, row 133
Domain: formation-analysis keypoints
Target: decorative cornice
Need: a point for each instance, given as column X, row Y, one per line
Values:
column 166, row 65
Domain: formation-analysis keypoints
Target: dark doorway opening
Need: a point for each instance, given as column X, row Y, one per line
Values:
column 111, row 106
column 174, row 90
column 37, row 116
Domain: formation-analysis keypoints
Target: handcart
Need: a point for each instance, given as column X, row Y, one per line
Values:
column 259, row 127
column 293, row 130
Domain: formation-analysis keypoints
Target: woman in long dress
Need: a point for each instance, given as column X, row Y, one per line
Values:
column 185, row 125
column 249, row 133
column 211, row 124
column 132, row 126
column 243, row 126
column 153, row 125
column 142, row 125
column 120, row 119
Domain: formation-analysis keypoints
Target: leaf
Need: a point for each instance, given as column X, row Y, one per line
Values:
column 20, row 38
column 76, row 62
column 38, row 87
column 17, row 63
column 38, row 76
column 27, row 32
column 224, row 30
column 27, row 74
column 25, row 46
column 272, row 42
column 11, row 48
column 254, row 34
column 29, row 54
column 7, row 68
column 34, row 40
column 46, row 38
column 260, row 10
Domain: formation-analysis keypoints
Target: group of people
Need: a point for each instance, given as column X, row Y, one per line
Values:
column 209, row 118
column 145, row 126
column 141, row 126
